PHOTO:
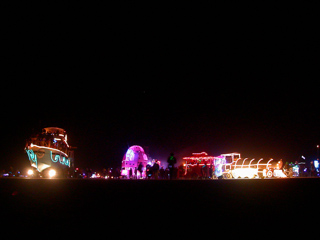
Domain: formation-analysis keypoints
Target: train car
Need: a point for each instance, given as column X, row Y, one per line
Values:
column 252, row 168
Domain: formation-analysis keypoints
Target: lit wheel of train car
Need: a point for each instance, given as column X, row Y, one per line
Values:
column 228, row 174
column 269, row 174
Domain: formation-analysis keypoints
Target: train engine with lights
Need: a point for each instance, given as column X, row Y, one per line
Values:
column 49, row 153
column 252, row 168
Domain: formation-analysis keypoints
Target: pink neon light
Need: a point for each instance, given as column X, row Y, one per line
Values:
column 132, row 159
column 202, row 153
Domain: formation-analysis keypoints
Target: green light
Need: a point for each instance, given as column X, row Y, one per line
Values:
column 55, row 158
column 32, row 157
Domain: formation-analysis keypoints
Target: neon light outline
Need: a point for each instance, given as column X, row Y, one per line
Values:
column 52, row 158
column 32, row 157
column 63, row 160
column 51, row 149
column 251, row 162
column 57, row 158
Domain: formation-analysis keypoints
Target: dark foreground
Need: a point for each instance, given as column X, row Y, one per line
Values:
column 84, row 204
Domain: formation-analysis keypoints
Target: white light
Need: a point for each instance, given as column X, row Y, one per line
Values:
column 30, row 172
column 52, row 173
column 52, row 149
column 245, row 172
column 279, row 173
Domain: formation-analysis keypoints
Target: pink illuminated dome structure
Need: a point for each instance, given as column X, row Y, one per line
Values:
column 131, row 161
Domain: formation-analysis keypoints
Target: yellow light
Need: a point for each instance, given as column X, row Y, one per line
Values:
column 30, row 172
column 52, row 173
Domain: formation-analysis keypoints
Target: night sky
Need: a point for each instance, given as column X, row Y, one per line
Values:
column 171, row 78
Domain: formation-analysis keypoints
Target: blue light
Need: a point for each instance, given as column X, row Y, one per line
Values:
column 63, row 160
column 130, row 155
column 316, row 164
column 32, row 157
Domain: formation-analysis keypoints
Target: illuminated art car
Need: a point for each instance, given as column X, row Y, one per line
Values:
column 49, row 153
column 252, row 168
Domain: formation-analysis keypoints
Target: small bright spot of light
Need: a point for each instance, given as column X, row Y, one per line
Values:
column 52, row 173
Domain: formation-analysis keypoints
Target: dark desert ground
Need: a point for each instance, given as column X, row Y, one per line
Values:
column 186, row 205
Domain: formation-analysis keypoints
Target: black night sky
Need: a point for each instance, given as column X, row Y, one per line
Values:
column 177, row 78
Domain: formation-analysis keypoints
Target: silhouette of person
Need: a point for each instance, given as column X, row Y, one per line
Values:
column 171, row 161
column 140, row 169
column 156, row 170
